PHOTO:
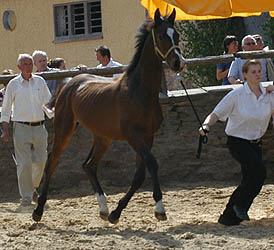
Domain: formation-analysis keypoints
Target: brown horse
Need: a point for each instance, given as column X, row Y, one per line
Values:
column 126, row 109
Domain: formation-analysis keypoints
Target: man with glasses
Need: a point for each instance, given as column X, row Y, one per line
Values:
column 259, row 42
column 267, row 61
column 235, row 75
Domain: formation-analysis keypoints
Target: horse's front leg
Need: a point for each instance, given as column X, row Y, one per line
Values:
column 138, row 179
column 143, row 151
column 152, row 166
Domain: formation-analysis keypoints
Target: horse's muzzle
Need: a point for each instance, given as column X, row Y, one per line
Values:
column 177, row 65
column 182, row 65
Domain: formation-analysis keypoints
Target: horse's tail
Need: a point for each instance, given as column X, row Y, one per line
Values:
column 53, row 99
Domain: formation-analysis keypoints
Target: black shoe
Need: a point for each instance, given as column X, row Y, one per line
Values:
column 240, row 213
column 224, row 220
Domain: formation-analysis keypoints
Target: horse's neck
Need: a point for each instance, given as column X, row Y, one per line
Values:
column 150, row 67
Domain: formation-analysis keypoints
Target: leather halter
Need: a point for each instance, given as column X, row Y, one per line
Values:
column 158, row 51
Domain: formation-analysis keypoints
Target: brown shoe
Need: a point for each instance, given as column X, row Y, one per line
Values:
column 25, row 206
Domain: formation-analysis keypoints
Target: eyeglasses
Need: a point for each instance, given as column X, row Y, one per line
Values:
column 250, row 44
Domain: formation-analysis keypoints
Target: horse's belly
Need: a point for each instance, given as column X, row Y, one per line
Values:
column 104, row 128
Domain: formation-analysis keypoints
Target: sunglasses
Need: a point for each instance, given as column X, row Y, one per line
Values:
column 250, row 44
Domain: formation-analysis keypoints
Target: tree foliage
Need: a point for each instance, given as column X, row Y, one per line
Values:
column 268, row 28
column 205, row 38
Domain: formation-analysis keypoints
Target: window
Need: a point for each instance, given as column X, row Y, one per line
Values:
column 9, row 20
column 78, row 21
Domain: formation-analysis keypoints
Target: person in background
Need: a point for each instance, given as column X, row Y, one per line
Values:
column 269, row 64
column 235, row 75
column 8, row 72
column 230, row 45
column 57, row 63
column 267, row 61
column 248, row 110
column 259, row 42
column 40, row 59
column 3, row 90
column 103, row 56
column 27, row 93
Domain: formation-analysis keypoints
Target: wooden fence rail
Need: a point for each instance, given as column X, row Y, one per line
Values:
column 114, row 70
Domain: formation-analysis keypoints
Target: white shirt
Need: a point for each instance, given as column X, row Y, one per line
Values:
column 235, row 69
column 27, row 99
column 248, row 117
column 111, row 64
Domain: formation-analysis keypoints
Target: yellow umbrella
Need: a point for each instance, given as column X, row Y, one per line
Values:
column 209, row 9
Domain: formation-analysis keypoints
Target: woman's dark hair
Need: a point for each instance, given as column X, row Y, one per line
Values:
column 55, row 63
column 228, row 40
column 7, row 72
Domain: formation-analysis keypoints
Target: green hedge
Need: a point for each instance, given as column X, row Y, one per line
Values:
column 268, row 28
column 205, row 38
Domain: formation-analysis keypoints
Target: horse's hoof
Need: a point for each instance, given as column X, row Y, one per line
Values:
column 104, row 215
column 160, row 216
column 112, row 220
column 36, row 217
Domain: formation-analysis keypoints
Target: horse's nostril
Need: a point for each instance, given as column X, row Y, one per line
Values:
column 182, row 64
column 177, row 65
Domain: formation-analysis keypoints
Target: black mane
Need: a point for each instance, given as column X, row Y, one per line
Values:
column 140, row 41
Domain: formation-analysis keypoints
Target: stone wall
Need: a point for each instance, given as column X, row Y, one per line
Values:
column 179, row 134
column 175, row 147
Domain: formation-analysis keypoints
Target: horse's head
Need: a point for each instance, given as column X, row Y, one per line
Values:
column 166, row 40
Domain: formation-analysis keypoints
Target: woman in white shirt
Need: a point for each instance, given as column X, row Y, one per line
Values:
column 248, row 109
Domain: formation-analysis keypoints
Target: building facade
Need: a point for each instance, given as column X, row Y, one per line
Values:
column 69, row 29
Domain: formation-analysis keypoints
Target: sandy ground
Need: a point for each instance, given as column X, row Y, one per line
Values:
column 194, row 194
column 72, row 221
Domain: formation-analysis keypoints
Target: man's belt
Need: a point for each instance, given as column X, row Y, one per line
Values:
column 32, row 123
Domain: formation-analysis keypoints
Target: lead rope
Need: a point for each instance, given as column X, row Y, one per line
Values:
column 202, row 139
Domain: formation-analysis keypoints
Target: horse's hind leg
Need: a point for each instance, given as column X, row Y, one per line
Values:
column 63, row 130
column 100, row 146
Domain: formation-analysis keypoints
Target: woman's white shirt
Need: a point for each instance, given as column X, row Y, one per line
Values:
column 248, row 117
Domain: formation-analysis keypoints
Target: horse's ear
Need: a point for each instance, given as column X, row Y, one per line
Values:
column 157, row 17
column 172, row 16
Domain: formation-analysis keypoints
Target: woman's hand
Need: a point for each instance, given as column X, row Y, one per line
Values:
column 4, row 132
column 269, row 88
column 5, row 137
column 204, row 130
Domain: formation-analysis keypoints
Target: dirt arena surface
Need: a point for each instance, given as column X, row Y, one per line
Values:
column 72, row 221
column 194, row 195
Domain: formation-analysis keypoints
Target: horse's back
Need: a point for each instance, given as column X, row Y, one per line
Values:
column 94, row 102
column 89, row 79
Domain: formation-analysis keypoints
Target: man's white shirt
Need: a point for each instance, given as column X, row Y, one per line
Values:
column 111, row 64
column 27, row 99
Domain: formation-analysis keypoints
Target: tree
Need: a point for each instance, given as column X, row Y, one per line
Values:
column 205, row 38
